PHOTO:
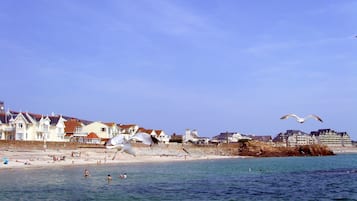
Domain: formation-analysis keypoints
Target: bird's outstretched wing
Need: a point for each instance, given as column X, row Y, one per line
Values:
column 314, row 117
column 289, row 115
column 122, row 144
column 115, row 142
column 144, row 138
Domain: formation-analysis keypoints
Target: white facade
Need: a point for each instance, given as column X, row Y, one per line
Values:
column 30, row 127
column 162, row 137
column 99, row 128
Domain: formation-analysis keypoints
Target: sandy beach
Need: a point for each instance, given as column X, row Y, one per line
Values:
column 81, row 157
column 28, row 155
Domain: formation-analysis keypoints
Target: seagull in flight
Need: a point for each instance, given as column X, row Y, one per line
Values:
column 300, row 119
column 122, row 144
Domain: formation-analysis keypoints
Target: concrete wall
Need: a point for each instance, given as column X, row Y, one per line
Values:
column 141, row 149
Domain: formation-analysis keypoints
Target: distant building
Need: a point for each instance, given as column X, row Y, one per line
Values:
column 176, row 138
column 102, row 130
column 128, row 129
column 331, row 138
column 293, row 138
column 74, row 130
column 92, row 138
column 228, row 137
column 162, row 137
column 33, row 127
column 7, row 128
column 158, row 134
column 326, row 137
column 57, row 128
column 193, row 137
column 261, row 138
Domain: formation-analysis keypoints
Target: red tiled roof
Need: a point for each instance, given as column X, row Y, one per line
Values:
column 71, row 125
column 141, row 130
column 149, row 131
column 110, row 124
column 127, row 126
column 92, row 136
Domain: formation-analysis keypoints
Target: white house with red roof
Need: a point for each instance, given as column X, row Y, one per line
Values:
column 158, row 134
column 102, row 130
column 92, row 138
column 128, row 129
column 162, row 137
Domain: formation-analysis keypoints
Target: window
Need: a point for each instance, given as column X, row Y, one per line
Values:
column 78, row 129
column 103, row 129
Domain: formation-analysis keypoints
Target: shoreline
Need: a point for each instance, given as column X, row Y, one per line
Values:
column 33, row 159
column 22, row 157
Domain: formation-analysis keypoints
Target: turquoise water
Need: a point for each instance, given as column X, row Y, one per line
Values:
column 290, row 178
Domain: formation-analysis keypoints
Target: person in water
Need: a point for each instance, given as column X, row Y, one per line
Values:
column 123, row 176
column 109, row 178
column 86, row 173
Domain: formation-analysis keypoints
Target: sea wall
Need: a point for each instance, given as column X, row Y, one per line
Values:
column 252, row 148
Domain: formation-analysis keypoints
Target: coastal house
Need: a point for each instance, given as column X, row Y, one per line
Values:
column 158, row 134
column 147, row 131
column 92, row 138
column 193, row 137
column 293, row 138
column 102, row 130
column 176, row 138
column 51, row 128
column 24, row 126
column 33, row 127
column 128, row 129
column 162, row 137
column 230, row 137
column 331, row 138
column 113, row 129
column 74, row 130
column 7, row 128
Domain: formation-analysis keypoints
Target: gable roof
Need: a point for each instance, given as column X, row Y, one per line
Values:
column 54, row 119
column 110, row 124
column 85, row 122
column 25, row 117
column 71, row 125
column 4, row 118
column 158, row 131
column 92, row 135
column 36, row 117
column 122, row 126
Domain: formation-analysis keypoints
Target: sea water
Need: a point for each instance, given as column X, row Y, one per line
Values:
column 285, row 178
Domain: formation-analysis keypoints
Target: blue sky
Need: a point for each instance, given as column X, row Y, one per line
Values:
column 214, row 65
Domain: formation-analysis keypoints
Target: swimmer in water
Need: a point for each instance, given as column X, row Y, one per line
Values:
column 109, row 178
column 86, row 173
column 123, row 176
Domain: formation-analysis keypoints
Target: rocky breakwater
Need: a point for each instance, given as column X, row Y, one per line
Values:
column 251, row 149
column 261, row 149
